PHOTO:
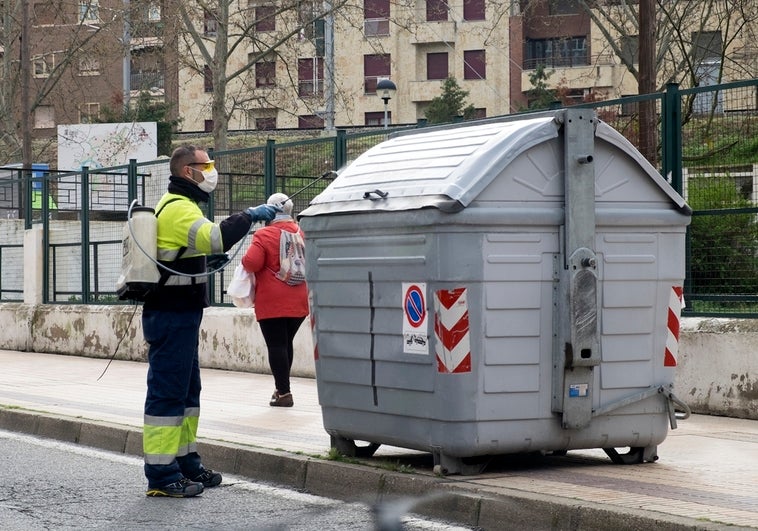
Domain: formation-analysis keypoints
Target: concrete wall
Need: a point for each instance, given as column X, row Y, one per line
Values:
column 716, row 373
column 230, row 338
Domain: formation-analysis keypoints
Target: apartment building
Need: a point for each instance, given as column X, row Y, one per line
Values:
column 592, row 56
column 414, row 43
column 80, row 52
column 326, row 70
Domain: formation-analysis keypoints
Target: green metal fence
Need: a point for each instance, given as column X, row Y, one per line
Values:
column 705, row 143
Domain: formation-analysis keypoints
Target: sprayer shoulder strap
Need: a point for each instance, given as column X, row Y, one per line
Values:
column 168, row 203
column 165, row 274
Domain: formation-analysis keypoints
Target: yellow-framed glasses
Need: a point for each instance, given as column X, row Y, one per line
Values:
column 206, row 166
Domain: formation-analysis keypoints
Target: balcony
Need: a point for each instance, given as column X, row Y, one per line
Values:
column 575, row 71
column 421, row 91
column 434, row 32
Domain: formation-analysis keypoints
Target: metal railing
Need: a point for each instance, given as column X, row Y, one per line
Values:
column 706, row 146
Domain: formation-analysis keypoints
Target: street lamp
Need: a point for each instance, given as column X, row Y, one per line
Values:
column 385, row 88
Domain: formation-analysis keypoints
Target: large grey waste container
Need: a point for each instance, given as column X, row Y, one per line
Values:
column 498, row 288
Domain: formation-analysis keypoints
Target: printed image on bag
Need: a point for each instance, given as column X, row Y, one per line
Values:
column 291, row 258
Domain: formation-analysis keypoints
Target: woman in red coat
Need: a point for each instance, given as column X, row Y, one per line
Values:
column 280, row 308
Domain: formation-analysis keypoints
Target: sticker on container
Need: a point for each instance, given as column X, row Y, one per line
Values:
column 452, row 344
column 415, row 337
column 676, row 303
column 577, row 390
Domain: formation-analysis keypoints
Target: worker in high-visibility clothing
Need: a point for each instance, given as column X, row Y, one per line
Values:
column 171, row 318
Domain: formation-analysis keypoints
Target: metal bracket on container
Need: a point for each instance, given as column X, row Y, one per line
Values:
column 577, row 309
column 671, row 403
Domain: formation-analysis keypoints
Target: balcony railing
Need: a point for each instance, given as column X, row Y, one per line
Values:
column 558, row 61
column 147, row 80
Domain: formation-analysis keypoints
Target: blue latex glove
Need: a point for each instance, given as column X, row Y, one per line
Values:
column 262, row 212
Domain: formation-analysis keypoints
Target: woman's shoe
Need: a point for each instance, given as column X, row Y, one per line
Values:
column 284, row 400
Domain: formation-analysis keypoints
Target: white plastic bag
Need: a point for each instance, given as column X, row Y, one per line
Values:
column 242, row 288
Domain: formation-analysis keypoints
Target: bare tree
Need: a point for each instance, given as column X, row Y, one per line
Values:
column 214, row 33
column 62, row 38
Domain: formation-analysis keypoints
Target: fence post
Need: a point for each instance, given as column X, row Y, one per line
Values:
column 672, row 136
column 26, row 185
column 340, row 149
column 85, row 234
column 269, row 168
column 131, row 184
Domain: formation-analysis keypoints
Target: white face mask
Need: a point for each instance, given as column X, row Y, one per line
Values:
column 210, row 180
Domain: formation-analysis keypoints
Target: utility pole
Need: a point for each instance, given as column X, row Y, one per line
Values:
column 329, row 65
column 127, row 64
column 646, row 81
column 25, row 118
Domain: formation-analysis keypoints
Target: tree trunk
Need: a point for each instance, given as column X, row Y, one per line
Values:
column 646, row 82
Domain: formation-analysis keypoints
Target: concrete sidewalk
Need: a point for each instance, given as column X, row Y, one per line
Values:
column 706, row 478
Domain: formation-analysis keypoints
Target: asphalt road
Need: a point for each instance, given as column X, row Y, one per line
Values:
column 46, row 484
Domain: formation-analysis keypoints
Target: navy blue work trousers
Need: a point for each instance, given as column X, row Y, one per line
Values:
column 173, row 393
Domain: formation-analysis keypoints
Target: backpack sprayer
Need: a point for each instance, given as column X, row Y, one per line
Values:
column 140, row 269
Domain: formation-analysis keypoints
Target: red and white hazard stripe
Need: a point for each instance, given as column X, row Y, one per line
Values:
column 451, row 328
column 674, row 315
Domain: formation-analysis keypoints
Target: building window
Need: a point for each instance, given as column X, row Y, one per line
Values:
column 436, row 65
column 570, row 51
column 89, row 11
column 306, row 17
column 210, row 25
column 44, row 117
column 154, row 12
column 706, row 45
column 265, row 124
column 89, row 113
column 564, row 7
column 89, row 66
column 44, row 13
column 208, row 126
column 43, row 65
column 265, row 74
column 207, row 79
column 473, row 9
column 376, row 17
column 630, row 51
column 265, row 18
column 310, row 121
column 474, row 64
column 436, row 10
column 375, row 67
column 377, row 118
column 480, row 113
column 310, row 77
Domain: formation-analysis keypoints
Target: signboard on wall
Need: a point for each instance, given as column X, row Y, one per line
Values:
column 106, row 145
column 99, row 146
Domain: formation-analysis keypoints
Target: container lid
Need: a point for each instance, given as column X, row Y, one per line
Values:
column 444, row 168
column 448, row 167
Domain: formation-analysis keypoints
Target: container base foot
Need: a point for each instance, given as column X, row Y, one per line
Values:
column 348, row 448
column 635, row 455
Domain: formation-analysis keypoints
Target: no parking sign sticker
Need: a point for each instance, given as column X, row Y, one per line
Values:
column 415, row 337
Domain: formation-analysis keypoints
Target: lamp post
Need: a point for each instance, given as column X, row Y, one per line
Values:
column 385, row 88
